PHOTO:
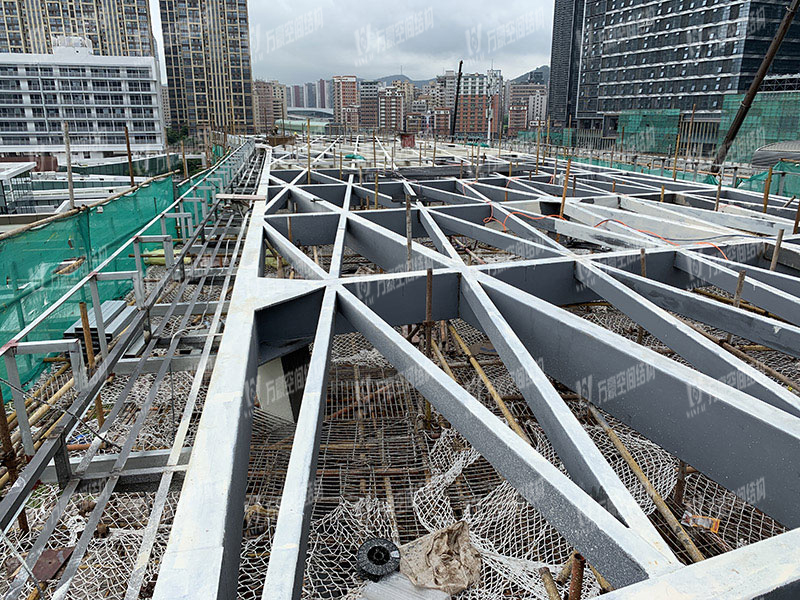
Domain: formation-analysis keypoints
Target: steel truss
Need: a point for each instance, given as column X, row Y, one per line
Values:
column 748, row 427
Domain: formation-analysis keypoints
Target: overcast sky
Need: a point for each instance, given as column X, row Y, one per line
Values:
column 305, row 40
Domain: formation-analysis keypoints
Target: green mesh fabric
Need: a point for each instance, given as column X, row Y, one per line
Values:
column 785, row 180
column 150, row 166
column 40, row 265
column 773, row 117
column 653, row 130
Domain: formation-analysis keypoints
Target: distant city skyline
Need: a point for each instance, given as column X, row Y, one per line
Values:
column 308, row 40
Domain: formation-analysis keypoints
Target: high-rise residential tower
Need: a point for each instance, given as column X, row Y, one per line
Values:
column 345, row 98
column 368, row 101
column 207, row 52
column 114, row 27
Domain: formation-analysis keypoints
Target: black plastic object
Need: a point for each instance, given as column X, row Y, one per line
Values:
column 376, row 558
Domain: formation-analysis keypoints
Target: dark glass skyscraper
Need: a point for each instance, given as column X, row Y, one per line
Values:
column 645, row 55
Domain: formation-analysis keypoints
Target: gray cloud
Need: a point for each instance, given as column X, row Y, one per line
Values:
column 305, row 40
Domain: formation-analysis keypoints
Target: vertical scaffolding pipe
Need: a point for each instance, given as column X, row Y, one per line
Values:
column 775, row 251
column 677, row 148
column 455, row 106
column 564, row 191
column 185, row 166
column 130, row 158
column 796, row 218
column 689, row 134
column 767, row 186
column 576, row 583
column 308, row 133
column 18, row 396
column 70, row 185
column 737, row 297
column 408, row 232
column 428, row 333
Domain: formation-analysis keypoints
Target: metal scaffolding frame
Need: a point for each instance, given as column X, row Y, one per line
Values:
column 212, row 229
column 724, row 417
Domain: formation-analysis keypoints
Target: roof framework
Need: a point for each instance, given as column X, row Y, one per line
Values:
column 636, row 241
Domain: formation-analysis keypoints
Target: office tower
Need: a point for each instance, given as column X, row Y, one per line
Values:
column 565, row 56
column 675, row 54
column 208, row 65
column 114, row 27
column 322, row 94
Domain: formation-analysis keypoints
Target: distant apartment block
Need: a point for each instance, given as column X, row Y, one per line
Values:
column 310, row 95
column 474, row 112
column 517, row 118
column 368, row 101
column 114, row 27
column 269, row 104
column 98, row 96
column 441, row 121
column 345, row 96
column 208, row 65
column 322, row 93
column 390, row 109
column 350, row 116
column 408, row 90
column 527, row 104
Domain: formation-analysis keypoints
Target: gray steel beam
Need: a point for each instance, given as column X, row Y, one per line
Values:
column 713, row 427
column 284, row 577
column 516, row 245
column 766, row 569
column 779, row 335
column 584, row 462
column 706, row 356
column 611, row 547
column 765, row 296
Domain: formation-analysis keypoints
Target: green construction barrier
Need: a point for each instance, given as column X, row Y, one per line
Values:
column 785, row 180
column 40, row 265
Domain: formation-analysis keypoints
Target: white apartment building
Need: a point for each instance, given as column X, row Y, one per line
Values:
column 96, row 95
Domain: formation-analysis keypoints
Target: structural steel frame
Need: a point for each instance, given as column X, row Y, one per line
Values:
column 724, row 417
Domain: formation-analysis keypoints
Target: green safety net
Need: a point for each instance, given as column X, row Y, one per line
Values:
column 149, row 166
column 217, row 153
column 654, row 130
column 785, row 180
column 640, row 168
column 773, row 117
column 40, row 265
column 354, row 157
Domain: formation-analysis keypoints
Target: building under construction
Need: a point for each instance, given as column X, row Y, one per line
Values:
column 354, row 368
